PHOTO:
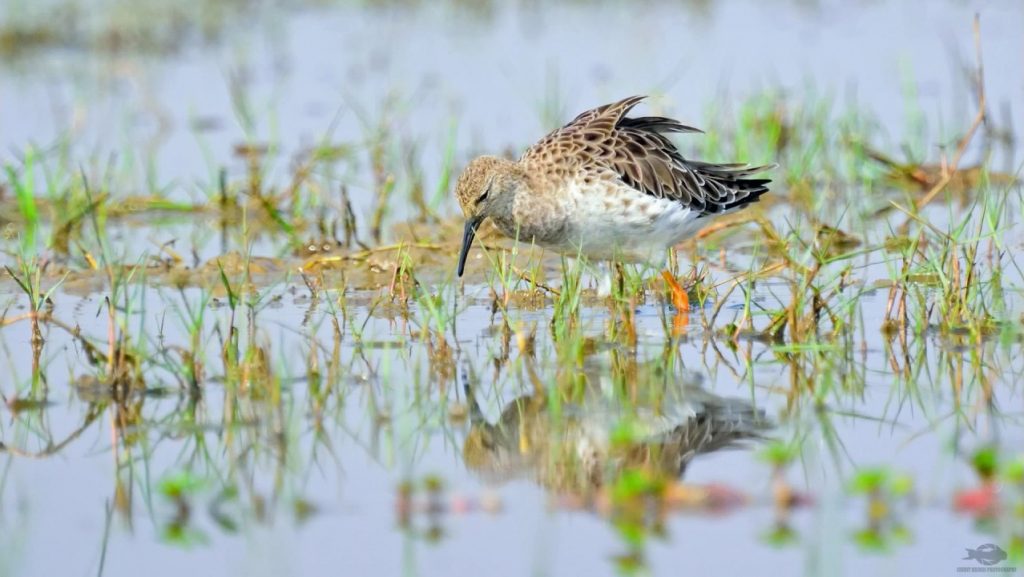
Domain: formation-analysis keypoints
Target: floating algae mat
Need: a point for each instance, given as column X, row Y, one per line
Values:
column 232, row 338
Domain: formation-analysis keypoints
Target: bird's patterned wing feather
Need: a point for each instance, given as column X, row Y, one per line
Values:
column 637, row 150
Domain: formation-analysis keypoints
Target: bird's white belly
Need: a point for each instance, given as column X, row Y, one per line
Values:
column 619, row 223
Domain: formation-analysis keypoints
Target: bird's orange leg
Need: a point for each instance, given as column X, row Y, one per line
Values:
column 679, row 297
column 680, row 300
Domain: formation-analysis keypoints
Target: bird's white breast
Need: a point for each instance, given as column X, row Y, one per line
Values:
column 614, row 221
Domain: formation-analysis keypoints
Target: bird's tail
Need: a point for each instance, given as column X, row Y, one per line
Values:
column 731, row 185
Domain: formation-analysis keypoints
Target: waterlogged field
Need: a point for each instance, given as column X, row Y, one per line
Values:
column 233, row 342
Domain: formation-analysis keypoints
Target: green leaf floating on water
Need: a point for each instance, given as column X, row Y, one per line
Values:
column 180, row 484
column 868, row 480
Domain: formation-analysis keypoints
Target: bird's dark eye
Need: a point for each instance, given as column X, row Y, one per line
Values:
column 483, row 196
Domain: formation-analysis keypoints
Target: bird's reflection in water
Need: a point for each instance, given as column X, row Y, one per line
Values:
column 593, row 424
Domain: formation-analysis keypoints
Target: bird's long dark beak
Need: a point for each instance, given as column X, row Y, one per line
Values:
column 467, row 240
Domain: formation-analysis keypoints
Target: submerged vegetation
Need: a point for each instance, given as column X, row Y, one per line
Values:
column 226, row 345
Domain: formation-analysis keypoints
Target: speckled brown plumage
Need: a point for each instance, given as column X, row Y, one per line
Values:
column 637, row 150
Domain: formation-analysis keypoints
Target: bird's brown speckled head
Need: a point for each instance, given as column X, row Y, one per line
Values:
column 474, row 180
column 484, row 187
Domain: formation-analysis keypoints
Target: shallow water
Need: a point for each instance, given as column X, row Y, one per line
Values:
column 294, row 464
column 384, row 420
